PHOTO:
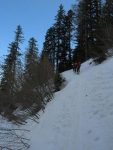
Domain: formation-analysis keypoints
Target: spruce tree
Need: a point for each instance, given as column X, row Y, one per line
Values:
column 30, row 75
column 49, row 45
column 107, row 26
column 108, row 12
column 81, row 48
column 58, row 40
column 89, row 14
column 69, row 35
column 61, row 45
column 9, row 78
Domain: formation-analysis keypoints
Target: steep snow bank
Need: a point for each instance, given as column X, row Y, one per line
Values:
column 81, row 115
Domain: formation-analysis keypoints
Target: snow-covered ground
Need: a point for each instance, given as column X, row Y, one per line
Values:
column 81, row 115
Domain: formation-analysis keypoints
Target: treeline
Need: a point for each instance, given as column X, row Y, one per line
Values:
column 26, row 85
column 94, row 29
column 83, row 32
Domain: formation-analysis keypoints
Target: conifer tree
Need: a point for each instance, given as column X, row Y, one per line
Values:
column 88, row 18
column 9, row 81
column 49, row 45
column 58, row 40
column 69, row 34
column 30, row 75
column 61, row 46
column 80, row 34
column 108, row 12
column 107, row 26
column 31, row 59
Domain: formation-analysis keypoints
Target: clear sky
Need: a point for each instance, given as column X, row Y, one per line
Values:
column 35, row 17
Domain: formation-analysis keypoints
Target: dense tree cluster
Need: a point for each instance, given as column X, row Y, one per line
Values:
column 83, row 32
column 58, row 40
column 25, row 86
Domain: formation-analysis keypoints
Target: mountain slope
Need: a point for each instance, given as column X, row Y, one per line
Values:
column 81, row 115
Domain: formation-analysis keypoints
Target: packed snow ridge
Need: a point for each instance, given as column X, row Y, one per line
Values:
column 80, row 117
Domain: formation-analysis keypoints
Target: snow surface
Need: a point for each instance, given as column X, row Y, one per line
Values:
column 80, row 117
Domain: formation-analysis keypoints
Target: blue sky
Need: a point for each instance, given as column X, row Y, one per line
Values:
column 35, row 17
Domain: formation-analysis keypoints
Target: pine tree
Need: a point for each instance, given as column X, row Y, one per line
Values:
column 49, row 45
column 9, row 77
column 107, row 26
column 58, row 40
column 31, row 59
column 89, row 13
column 108, row 12
column 30, row 75
column 61, row 45
column 69, row 34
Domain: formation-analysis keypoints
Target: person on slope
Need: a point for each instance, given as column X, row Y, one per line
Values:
column 76, row 66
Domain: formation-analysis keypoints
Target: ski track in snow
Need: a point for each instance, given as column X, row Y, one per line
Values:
column 81, row 115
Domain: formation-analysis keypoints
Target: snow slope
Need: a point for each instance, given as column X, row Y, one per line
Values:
column 81, row 115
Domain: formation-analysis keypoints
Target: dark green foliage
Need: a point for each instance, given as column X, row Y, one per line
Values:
column 85, row 23
column 31, row 89
column 37, row 87
column 58, row 40
column 108, row 12
column 88, row 20
column 69, row 35
column 30, row 75
column 49, row 46
column 61, row 46
column 9, row 78
column 58, row 81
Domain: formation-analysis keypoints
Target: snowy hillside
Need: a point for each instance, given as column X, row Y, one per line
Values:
column 81, row 115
